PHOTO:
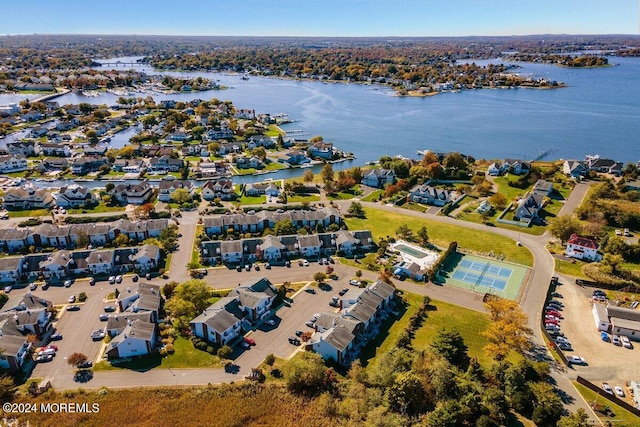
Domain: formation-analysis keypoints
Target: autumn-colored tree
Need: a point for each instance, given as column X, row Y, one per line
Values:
column 564, row 226
column 75, row 359
column 508, row 330
column 308, row 176
column 498, row 200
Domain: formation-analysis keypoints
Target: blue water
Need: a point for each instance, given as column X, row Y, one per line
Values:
column 599, row 113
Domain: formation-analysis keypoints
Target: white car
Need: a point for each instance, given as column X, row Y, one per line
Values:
column 270, row 322
column 72, row 299
column 625, row 342
column 7, row 289
column 118, row 279
column 354, row 282
column 551, row 317
column 619, row 391
column 305, row 263
column 606, row 387
column 562, row 339
column 616, row 340
column 67, row 283
column 618, row 232
column 576, row 360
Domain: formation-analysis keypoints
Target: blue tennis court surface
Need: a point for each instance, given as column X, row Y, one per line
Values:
column 486, row 275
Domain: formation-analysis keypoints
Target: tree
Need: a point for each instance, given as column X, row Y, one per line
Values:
column 75, row 359
column 575, row 419
column 92, row 135
column 284, row 227
column 407, row 395
column 225, row 352
column 498, row 200
column 320, row 277
column 450, row 345
column 356, row 174
column 305, row 373
column 308, row 176
column 564, row 226
column 455, row 161
column 82, row 239
column 181, row 195
column 127, row 152
column 7, row 388
column 327, row 173
column 405, row 232
column 547, row 405
column 356, row 210
column 270, row 359
column 168, row 237
column 423, row 235
column 121, row 240
column 508, row 330
column 109, row 187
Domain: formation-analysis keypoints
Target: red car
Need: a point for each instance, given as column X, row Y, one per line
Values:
column 250, row 341
column 553, row 313
column 551, row 322
column 52, row 347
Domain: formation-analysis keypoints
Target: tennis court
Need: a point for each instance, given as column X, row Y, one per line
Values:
column 484, row 275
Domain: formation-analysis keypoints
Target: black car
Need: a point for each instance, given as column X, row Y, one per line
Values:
column 135, row 278
column 109, row 309
column 310, row 290
column 55, row 337
column 343, row 291
column 85, row 365
column 294, row 341
column 92, row 281
column 299, row 333
column 73, row 308
column 148, row 276
column 239, row 268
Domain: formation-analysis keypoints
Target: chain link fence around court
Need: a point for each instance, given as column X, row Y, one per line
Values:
column 485, row 276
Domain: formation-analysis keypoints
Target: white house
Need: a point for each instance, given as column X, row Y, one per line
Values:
column 432, row 196
column 333, row 344
column 218, row 189
column 12, row 163
column 167, row 188
column 231, row 251
column 10, row 269
column 135, row 194
column 582, row 248
column 574, row 168
column 27, row 197
column 147, row 258
column 271, row 248
column 600, row 317
column 255, row 298
column 136, row 339
column 100, row 262
column 74, row 196
column 219, row 323
column 309, row 245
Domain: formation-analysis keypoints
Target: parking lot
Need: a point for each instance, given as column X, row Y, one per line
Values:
column 606, row 362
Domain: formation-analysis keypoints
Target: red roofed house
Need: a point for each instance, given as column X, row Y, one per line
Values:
column 582, row 248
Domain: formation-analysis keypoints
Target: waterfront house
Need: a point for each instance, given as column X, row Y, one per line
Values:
column 258, row 189
column 22, row 148
column 597, row 164
column 245, row 114
column 135, row 194
column 54, row 150
column 165, row 163
column 252, row 162
column 582, row 248
column 75, row 196
column 517, row 167
column 167, row 188
column 574, row 168
column 432, row 195
column 322, row 150
column 27, row 197
column 296, row 157
column 218, row 189
column 32, row 116
column 52, row 164
column 379, row 177
column 13, row 163
column 221, row 322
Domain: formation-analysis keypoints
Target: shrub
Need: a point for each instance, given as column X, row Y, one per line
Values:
column 211, row 350
column 225, row 352
column 82, row 297
column 270, row 359
column 170, row 349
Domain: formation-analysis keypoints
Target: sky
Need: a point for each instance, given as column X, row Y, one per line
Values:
column 349, row 18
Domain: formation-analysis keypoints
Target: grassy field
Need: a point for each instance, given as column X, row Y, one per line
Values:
column 384, row 223
column 511, row 193
column 570, row 269
column 28, row 213
column 185, row 356
column 100, row 208
column 373, row 196
column 303, row 199
column 255, row 200
column 622, row 416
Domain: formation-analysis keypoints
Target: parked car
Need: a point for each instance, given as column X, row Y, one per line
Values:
column 92, row 281
column 97, row 335
column 85, row 365
column 619, row 391
column 294, row 341
column 112, row 280
column 50, row 351
column 238, row 267
column 55, row 337
column 67, row 283
column 562, row 339
column 551, row 322
column 44, row 358
column 33, row 286
column 311, row 323
column 551, row 317
column 305, row 263
column 325, row 261
column 606, row 387
column 245, row 345
column 625, row 342
column 72, row 299
column 135, row 278
column 7, row 289
column 576, row 360
column 556, row 295
column 564, row 346
column 605, row 337
column 249, row 341
column 299, row 333
column 310, row 290
column 553, row 313
column 334, row 304
column 247, row 267
column 354, row 282
column 616, row 340
column 118, row 279
column 267, row 266
column 103, row 317
column 109, row 309
column 343, row 291
column 270, row 322
column 618, row 232
column 148, row 276
column 52, row 347
column 73, row 308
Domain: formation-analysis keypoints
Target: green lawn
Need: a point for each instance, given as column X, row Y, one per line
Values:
column 384, row 223
column 100, row 208
column 273, row 130
column 195, row 251
column 570, row 269
column 473, row 216
column 28, row 213
column 185, row 356
column 622, row 416
column 249, row 200
column 631, row 266
column 303, row 199
column 468, row 322
column 511, row 193
column 373, row 196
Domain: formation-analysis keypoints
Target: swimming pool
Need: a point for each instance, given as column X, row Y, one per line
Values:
column 410, row 251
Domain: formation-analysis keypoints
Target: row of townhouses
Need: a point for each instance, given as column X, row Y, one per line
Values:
column 341, row 336
column 22, row 316
column 276, row 249
column 262, row 220
column 63, row 264
column 66, row 236
column 228, row 317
